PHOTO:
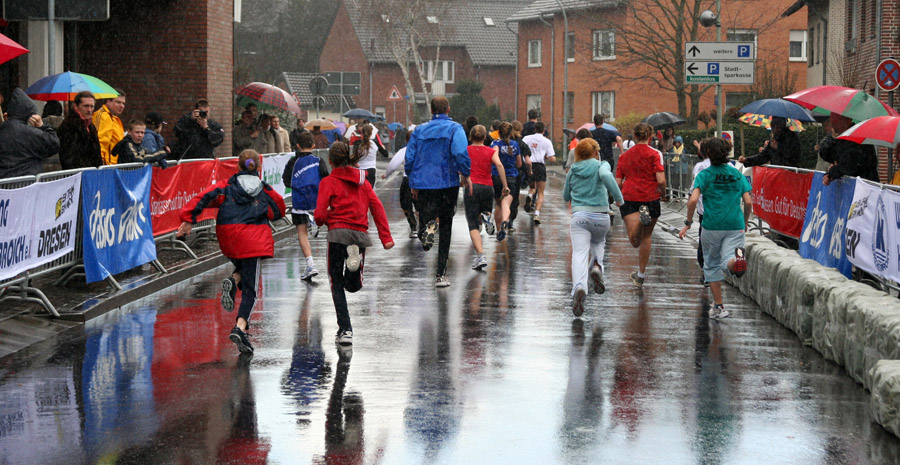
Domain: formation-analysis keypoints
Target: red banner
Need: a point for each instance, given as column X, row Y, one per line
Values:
column 780, row 198
column 174, row 187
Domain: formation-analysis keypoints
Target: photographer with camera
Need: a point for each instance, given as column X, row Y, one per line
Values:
column 197, row 134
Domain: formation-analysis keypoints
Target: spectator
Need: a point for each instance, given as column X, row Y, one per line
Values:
column 131, row 150
column 79, row 145
column 198, row 135
column 822, row 165
column 606, row 139
column 52, row 114
column 284, row 138
column 668, row 140
column 268, row 133
column 109, row 127
column 246, row 136
column 528, row 128
column 24, row 139
column 153, row 140
column 320, row 138
column 782, row 149
column 847, row 158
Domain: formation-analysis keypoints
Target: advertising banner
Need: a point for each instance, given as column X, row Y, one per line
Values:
column 37, row 224
column 873, row 231
column 273, row 168
column 116, row 214
column 826, row 219
column 174, row 187
column 780, row 198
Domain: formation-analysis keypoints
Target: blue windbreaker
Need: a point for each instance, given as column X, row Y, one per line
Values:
column 305, row 183
column 437, row 154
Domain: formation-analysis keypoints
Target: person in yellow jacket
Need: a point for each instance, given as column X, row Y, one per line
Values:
column 109, row 127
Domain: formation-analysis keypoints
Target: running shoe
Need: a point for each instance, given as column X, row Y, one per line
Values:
column 578, row 301
column 229, row 291
column 645, row 215
column 703, row 282
column 488, row 221
column 310, row 273
column 344, row 338
column 718, row 312
column 311, row 227
column 637, row 280
column 740, row 262
column 479, row 263
column 240, row 339
column 441, row 281
column 411, row 219
column 527, row 206
column 428, row 236
column 597, row 279
column 353, row 259
column 510, row 228
column 537, row 218
column 501, row 234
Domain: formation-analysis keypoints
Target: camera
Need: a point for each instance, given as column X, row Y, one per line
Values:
column 203, row 114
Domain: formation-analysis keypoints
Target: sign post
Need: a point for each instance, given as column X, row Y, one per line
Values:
column 395, row 97
column 719, row 63
column 887, row 74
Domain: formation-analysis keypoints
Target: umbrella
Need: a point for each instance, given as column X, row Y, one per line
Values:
column 883, row 131
column 64, row 86
column 852, row 103
column 9, row 49
column 764, row 121
column 664, row 119
column 358, row 113
column 270, row 95
column 591, row 127
column 323, row 124
column 395, row 126
column 772, row 107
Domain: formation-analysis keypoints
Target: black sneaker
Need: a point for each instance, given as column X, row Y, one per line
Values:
column 240, row 339
column 527, row 206
column 428, row 235
column 501, row 234
column 597, row 279
column 229, row 291
column 344, row 338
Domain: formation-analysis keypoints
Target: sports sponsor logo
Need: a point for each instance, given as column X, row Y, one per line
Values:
column 65, row 201
column 105, row 232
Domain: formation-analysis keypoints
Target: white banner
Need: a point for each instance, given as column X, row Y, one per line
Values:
column 873, row 231
column 273, row 168
column 37, row 224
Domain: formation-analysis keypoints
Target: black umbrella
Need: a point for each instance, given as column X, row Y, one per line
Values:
column 358, row 113
column 664, row 119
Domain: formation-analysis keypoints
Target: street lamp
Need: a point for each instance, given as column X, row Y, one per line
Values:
column 708, row 19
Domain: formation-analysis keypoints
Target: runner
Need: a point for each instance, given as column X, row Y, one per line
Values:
column 478, row 203
column 511, row 158
column 588, row 186
column 641, row 177
column 700, row 166
column 524, row 176
column 723, row 188
column 406, row 201
column 366, row 142
column 302, row 174
column 541, row 149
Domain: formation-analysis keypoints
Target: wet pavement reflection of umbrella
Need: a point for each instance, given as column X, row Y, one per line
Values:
column 766, row 122
column 323, row 124
column 772, row 107
column 883, row 131
column 64, row 86
column 9, row 49
column 664, row 120
column 852, row 103
column 270, row 95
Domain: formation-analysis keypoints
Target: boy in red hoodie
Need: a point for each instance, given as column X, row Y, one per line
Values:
column 246, row 204
column 344, row 201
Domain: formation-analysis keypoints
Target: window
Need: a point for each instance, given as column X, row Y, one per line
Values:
column 742, row 35
column 443, row 71
column 432, row 19
column 811, row 46
column 822, row 46
column 604, row 102
column 853, row 22
column 570, row 47
column 570, row 107
column 737, row 99
column 533, row 102
column 534, row 53
column 489, row 21
column 379, row 111
column 798, row 46
column 604, row 44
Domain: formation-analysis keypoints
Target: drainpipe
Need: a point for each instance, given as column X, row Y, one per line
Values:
column 565, row 118
column 516, row 99
column 552, row 73
column 879, row 6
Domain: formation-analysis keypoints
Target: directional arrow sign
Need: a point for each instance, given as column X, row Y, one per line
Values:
column 719, row 72
column 720, row 51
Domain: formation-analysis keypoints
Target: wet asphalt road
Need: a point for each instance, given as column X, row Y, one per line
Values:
column 493, row 369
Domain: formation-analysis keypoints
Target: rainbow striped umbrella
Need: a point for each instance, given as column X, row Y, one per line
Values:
column 64, row 86
column 883, row 131
column 852, row 103
column 764, row 121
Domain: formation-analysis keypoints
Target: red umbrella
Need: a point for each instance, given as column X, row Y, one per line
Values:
column 852, row 103
column 9, row 49
column 881, row 130
column 270, row 95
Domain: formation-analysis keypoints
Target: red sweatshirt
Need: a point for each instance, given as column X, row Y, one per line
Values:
column 344, row 201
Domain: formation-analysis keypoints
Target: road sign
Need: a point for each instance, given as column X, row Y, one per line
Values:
column 720, row 51
column 318, row 85
column 719, row 72
column 887, row 74
column 346, row 83
column 318, row 102
column 394, row 96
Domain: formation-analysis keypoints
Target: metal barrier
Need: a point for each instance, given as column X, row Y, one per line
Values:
column 679, row 174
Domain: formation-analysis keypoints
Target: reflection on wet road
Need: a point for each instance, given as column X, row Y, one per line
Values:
column 493, row 369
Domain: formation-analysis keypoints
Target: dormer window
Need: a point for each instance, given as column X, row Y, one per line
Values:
column 432, row 19
column 489, row 21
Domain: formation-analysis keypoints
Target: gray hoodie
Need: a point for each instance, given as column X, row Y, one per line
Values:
column 22, row 147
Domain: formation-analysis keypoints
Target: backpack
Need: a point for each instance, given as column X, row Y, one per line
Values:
column 305, row 183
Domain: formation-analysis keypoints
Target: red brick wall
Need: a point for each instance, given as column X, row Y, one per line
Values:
column 499, row 87
column 164, row 55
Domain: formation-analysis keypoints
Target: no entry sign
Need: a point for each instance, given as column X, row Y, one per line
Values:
column 887, row 74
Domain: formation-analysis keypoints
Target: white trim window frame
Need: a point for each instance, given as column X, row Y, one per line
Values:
column 743, row 35
column 603, row 44
column 604, row 102
column 534, row 53
column 798, row 41
column 533, row 102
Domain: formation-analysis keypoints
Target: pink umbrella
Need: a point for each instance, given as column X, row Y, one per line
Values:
column 883, row 131
column 9, row 49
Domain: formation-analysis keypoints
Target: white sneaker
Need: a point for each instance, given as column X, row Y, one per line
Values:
column 344, row 338
column 718, row 312
column 311, row 227
column 353, row 260
column 441, row 281
column 413, row 234
column 310, row 273
column 479, row 263
column 537, row 218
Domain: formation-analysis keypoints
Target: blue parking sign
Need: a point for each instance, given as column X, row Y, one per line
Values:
column 712, row 68
column 743, row 51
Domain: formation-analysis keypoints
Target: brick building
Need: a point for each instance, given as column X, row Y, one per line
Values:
column 475, row 45
column 599, row 82
column 163, row 54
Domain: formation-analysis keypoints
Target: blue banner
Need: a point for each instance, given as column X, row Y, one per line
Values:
column 118, row 235
column 824, row 228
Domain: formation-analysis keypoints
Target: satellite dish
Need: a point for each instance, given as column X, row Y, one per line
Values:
column 708, row 18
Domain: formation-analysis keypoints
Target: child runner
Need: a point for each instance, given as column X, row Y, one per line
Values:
column 723, row 187
column 700, row 166
column 345, row 198
column 302, row 174
column 524, row 177
column 368, row 144
column 541, row 149
column 511, row 158
column 478, row 204
column 642, row 179
column 246, row 205
column 588, row 185
column 406, row 200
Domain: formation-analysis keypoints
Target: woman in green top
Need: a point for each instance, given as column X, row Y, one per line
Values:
column 723, row 187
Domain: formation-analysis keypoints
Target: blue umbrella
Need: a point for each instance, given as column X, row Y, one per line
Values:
column 357, row 113
column 778, row 107
column 394, row 126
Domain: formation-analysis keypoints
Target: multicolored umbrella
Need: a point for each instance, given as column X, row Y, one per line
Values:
column 9, row 49
column 268, row 95
column 883, row 131
column 766, row 122
column 64, row 86
column 852, row 103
